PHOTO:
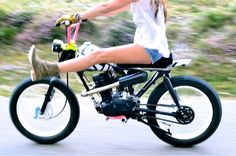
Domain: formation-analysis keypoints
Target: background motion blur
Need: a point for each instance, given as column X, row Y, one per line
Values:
column 204, row 31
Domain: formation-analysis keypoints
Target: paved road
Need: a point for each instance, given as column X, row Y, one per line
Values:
column 95, row 136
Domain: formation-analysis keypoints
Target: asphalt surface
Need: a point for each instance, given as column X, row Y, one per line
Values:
column 96, row 136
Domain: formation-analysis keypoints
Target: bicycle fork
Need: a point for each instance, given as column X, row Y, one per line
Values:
column 48, row 95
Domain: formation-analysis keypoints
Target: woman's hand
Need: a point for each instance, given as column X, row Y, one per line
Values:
column 74, row 18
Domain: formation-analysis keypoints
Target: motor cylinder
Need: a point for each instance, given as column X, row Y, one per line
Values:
column 101, row 80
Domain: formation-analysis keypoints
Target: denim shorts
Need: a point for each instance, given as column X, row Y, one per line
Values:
column 153, row 54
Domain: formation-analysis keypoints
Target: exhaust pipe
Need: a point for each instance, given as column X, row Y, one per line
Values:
column 125, row 81
column 100, row 89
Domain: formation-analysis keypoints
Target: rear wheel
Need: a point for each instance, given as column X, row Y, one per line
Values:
column 61, row 115
column 198, row 118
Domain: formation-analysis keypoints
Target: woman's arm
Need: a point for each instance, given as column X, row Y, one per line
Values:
column 118, row 11
column 107, row 8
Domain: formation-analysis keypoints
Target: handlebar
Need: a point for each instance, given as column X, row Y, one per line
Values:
column 69, row 26
column 68, row 23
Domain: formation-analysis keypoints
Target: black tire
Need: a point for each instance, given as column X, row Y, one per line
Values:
column 182, row 137
column 21, row 105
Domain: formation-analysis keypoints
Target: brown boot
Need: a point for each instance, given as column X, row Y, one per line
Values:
column 41, row 69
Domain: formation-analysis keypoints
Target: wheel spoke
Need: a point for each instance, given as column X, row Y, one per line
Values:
column 59, row 119
column 200, row 104
column 44, row 125
column 197, row 118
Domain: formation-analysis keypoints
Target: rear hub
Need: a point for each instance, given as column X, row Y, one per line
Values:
column 185, row 115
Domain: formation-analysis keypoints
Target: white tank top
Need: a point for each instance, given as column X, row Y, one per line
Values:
column 150, row 32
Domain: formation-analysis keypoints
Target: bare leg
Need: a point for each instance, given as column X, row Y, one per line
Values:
column 126, row 54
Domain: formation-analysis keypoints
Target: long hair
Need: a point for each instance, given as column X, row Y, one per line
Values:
column 155, row 7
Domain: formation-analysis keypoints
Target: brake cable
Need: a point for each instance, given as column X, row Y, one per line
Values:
column 67, row 91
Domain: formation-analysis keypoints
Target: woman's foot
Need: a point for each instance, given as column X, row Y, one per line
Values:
column 41, row 69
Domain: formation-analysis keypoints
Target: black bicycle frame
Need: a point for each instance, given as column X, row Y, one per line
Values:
column 157, row 74
column 147, row 85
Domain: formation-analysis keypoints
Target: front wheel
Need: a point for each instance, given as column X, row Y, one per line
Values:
column 59, row 119
column 200, row 108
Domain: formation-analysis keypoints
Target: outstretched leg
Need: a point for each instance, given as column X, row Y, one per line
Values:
column 126, row 54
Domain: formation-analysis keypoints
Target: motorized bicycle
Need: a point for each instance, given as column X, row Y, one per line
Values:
column 181, row 111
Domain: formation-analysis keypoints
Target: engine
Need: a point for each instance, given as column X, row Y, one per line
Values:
column 117, row 106
column 112, row 104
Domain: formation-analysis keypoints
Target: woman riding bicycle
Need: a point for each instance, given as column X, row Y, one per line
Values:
column 150, row 42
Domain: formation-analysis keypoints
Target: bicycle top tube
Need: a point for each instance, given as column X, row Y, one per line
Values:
column 69, row 28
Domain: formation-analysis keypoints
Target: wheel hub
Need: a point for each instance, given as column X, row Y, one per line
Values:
column 46, row 115
column 185, row 115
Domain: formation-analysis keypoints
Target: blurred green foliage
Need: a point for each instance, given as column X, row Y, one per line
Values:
column 204, row 30
column 213, row 19
column 122, row 33
column 3, row 15
column 7, row 34
column 12, row 24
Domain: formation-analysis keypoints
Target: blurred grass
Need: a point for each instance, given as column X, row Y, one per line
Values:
column 204, row 30
column 221, row 75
